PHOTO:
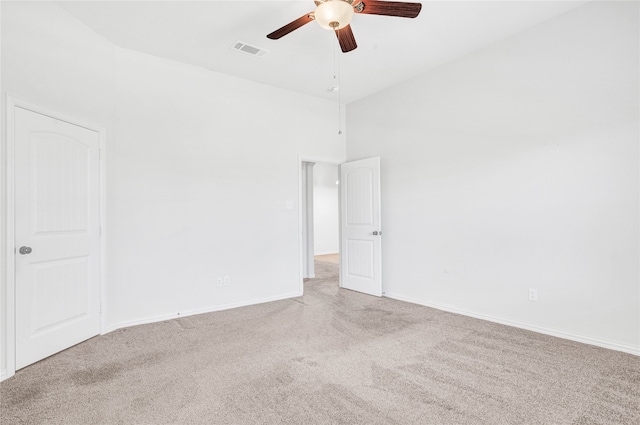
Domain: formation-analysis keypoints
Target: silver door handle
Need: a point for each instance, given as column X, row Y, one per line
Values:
column 376, row 233
column 24, row 250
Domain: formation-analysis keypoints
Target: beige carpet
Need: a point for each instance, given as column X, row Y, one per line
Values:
column 328, row 258
column 330, row 357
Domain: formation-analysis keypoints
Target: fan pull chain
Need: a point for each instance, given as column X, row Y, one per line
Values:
column 336, row 70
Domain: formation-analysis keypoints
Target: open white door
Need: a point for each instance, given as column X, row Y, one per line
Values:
column 360, row 244
column 57, row 235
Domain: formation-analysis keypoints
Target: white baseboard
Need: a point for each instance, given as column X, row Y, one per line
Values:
column 4, row 375
column 212, row 309
column 535, row 328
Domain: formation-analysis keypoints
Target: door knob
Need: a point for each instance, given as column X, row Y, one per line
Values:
column 24, row 250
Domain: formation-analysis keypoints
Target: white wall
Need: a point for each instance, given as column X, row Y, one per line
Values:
column 54, row 61
column 516, row 167
column 206, row 163
column 199, row 166
column 325, row 209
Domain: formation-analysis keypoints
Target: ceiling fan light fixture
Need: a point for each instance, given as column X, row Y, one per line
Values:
column 334, row 14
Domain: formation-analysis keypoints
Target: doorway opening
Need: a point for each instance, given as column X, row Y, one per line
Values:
column 320, row 216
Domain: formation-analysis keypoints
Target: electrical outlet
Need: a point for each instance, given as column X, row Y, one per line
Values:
column 533, row 294
column 220, row 281
column 227, row 280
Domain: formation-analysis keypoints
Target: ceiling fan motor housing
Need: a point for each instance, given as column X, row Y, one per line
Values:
column 334, row 14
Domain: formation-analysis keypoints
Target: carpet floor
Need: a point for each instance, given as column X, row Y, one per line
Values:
column 330, row 357
column 328, row 258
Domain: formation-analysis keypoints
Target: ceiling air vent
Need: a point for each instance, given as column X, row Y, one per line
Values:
column 243, row 47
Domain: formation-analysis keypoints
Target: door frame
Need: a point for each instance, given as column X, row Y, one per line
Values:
column 306, row 209
column 301, row 224
column 13, row 102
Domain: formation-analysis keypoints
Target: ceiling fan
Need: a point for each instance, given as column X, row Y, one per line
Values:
column 336, row 15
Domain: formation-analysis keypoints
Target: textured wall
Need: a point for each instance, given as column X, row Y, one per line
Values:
column 326, row 212
column 200, row 166
column 516, row 167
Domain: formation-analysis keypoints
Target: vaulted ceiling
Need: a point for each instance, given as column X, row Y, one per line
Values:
column 309, row 59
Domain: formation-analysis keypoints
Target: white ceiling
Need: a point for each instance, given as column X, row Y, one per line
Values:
column 389, row 51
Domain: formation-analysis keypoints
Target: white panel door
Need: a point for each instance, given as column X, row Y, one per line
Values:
column 57, row 235
column 360, row 251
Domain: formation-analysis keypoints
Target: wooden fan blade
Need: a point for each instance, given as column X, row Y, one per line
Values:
column 390, row 8
column 291, row 26
column 346, row 39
